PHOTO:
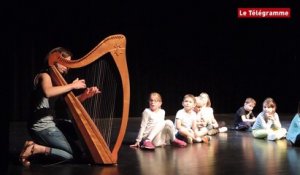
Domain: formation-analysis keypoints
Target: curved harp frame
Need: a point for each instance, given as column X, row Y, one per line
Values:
column 116, row 45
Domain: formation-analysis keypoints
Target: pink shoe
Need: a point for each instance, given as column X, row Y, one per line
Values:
column 148, row 145
column 179, row 143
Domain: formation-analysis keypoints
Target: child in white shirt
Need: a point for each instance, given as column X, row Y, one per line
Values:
column 206, row 121
column 185, row 121
column 155, row 130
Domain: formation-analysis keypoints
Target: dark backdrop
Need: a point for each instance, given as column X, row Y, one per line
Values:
column 175, row 48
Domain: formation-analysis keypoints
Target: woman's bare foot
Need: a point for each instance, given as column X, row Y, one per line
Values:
column 26, row 153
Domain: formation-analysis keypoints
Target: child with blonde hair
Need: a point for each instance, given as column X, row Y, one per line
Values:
column 244, row 117
column 155, row 130
column 206, row 121
column 185, row 121
column 267, row 124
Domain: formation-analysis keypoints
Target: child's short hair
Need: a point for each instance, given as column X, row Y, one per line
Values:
column 269, row 102
column 155, row 94
column 250, row 100
column 190, row 96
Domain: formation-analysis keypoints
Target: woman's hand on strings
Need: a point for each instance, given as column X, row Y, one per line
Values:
column 79, row 84
column 88, row 93
column 91, row 91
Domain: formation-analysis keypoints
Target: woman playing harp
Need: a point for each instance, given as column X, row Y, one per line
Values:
column 47, row 137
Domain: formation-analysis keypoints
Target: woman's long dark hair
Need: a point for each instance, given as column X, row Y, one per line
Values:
column 64, row 52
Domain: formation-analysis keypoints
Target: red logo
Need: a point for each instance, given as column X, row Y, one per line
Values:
column 264, row 12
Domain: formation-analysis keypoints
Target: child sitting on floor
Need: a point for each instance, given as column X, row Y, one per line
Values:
column 267, row 124
column 293, row 134
column 205, row 116
column 155, row 130
column 244, row 117
column 185, row 121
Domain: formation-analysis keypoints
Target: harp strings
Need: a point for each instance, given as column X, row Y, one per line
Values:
column 101, row 107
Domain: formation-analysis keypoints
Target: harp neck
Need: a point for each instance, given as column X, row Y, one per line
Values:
column 114, row 44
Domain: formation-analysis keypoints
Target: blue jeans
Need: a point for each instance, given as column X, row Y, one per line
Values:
column 53, row 137
column 180, row 137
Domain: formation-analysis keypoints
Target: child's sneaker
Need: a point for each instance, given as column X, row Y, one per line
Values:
column 189, row 140
column 223, row 129
column 179, row 143
column 198, row 140
column 271, row 137
column 148, row 145
column 206, row 139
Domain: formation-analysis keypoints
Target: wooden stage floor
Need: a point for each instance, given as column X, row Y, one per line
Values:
column 228, row 153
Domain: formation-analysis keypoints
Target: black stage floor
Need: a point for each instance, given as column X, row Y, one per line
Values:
column 228, row 153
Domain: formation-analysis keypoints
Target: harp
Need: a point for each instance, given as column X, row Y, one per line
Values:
column 100, row 148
